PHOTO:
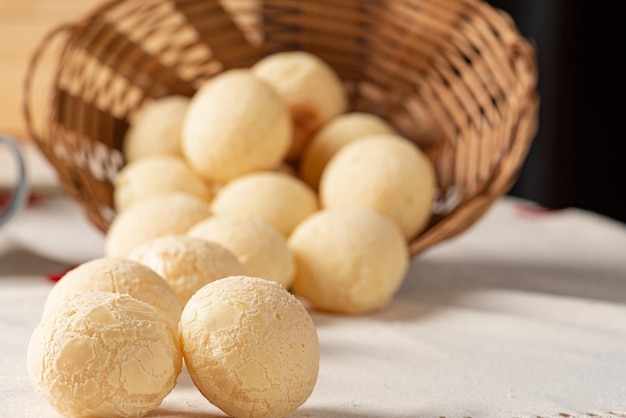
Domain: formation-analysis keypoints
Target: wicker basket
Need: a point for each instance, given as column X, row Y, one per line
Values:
column 455, row 76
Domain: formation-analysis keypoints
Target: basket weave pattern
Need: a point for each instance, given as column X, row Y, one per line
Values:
column 455, row 76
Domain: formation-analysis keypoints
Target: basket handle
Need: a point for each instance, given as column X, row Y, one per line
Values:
column 30, row 75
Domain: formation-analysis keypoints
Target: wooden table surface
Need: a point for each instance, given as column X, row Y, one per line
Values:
column 23, row 24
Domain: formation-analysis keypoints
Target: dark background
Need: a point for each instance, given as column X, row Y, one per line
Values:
column 577, row 158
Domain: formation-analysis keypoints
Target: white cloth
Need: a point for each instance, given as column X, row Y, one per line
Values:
column 521, row 316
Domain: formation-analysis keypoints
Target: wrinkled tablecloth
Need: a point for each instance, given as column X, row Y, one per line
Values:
column 524, row 315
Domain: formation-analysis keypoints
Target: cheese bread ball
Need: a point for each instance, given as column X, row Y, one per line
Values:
column 154, row 217
column 104, row 355
column 156, row 130
column 349, row 260
column 279, row 199
column 260, row 249
column 391, row 177
column 309, row 86
column 337, row 133
column 187, row 263
column 250, row 347
column 117, row 276
column 235, row 124
column 155, row 175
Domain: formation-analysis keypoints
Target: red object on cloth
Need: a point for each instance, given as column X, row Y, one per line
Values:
column 525, row 210
column 6, row 198
column 56, row 276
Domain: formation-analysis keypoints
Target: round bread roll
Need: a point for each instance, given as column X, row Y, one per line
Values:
column 104, row 355
column 309, row 86
column 153, row 217
column 337, row 133
column 260, row 249
column 349, row 260
column 156, row 130
column 187, row 263
column 391, row 177
column 117, row 276
column 279, row 199
column 154, row 175
column 250, row 347
column 235, row 124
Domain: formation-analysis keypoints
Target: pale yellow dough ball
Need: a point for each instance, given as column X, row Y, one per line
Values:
column 250, row 347
column 154, row 217
column 309, row 86
column 349, row 260
column 104, row 355
column 153, row 175
column 261, row 250
column 156, row 130
column 334, row 135
column 279, row 199
column 392, row 177
column 235, row 124
column 187, row 263
column 117, row 276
